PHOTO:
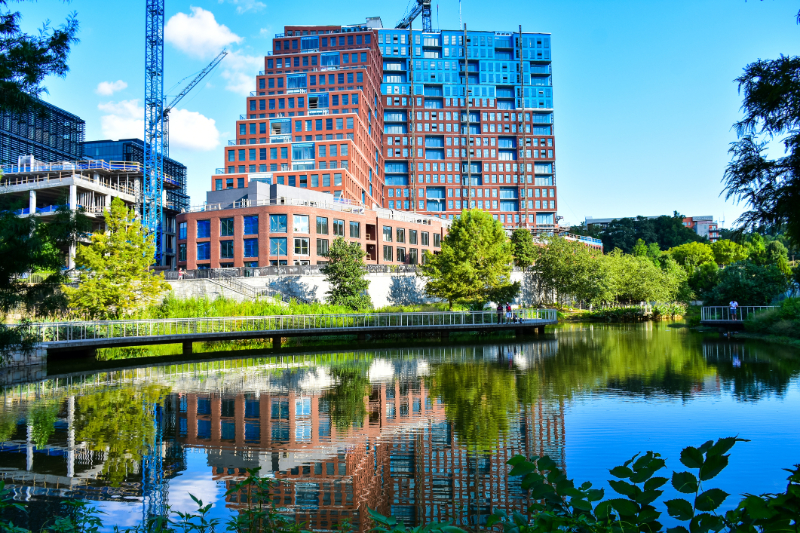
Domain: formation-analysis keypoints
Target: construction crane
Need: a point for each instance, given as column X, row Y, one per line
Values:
column 422, row 7
column 191, row 85
column 150, row 196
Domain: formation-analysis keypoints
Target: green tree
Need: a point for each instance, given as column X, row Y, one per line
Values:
column 666, row 231
column 691, row 255
column 346, row 275
column 703, row 279
column 755, row 248
column 115, row 278
column 777, row 254
column 26, row 60
column 748, row 284
column 29, row 245
column 640, row 248
column 42, row 419
column 771, row 107
column 727, row 252
column 522, row 248
column 474, row 262
column 345, row 400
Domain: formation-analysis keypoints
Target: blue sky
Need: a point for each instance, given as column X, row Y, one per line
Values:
column 643, row 90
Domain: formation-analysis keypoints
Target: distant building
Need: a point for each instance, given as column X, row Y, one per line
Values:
column 705, row 226
column 176, row 199
column 55, row 136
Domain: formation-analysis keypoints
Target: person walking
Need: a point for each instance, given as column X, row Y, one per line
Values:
column 499, row 313
column 509, row 315
column 180, row 273
column 734, row 308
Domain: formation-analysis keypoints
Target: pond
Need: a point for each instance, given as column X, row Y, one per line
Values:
column 420, row 433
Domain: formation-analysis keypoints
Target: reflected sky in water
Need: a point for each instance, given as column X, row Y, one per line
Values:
column 420, row 433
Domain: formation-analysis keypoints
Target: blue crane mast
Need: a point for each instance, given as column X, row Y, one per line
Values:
column 153, row 176
column 422, row 7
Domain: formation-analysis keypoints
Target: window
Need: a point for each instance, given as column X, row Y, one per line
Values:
column 401, row 255
column 401, row 235
column 387, row 253
column 424, row 235
column 412, row 236
column 182, row 230
column 182, row 251
column 277, row 223
column 226, row 249
column 251, row 225
column 338, row 227
column 277, row 246
column 412, row 256
column 322, row 225
column 203, row 251
column 300, row 224
column 203, row 229
column 322, row 247
column 437, row 240
column 251, row 247
column 355, row 230
column 226, row 227
column 387, row 233
column 301, row 246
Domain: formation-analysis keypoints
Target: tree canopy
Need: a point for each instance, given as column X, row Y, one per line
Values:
column 26, row 60
column 624, row 233
column 346, row 275
column 522, row 248
column 474, row 262
column 115, row 277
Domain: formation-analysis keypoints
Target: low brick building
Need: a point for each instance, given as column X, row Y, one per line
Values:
column 267, row 225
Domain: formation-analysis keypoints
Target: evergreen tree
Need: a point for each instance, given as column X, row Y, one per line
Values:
column 115, row 277
column 522, row 248
column 475, row 260
column 346, row 275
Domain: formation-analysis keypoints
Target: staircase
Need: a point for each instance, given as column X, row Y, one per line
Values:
column 230, row 282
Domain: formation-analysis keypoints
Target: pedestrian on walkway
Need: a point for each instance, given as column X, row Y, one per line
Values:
column 509, row 315
column 180, row 273
column 499, row 313
column 734, row 308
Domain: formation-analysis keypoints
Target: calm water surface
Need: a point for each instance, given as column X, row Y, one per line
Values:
column 420, row 433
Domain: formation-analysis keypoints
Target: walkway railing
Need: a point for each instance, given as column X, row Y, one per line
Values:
column 114, row 329
column 722, row 313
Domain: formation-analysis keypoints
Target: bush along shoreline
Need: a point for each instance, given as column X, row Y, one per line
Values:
column 559, row 504
column 635, row 313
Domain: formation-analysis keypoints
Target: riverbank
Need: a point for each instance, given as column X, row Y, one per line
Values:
column 634, row 313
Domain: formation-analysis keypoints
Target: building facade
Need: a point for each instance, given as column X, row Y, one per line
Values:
column 428, row 123
column 273, row 225
column 57, row 135
column 175, row 198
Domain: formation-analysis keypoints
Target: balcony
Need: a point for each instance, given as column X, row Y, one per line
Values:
column 274, row 139
column 318, row 112
column 220, row 171
column 296, row 91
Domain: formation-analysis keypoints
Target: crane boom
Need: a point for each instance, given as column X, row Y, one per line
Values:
column 422, row 7
column 191, row 85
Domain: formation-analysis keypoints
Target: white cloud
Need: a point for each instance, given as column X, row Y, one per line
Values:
column 265, row 33
column 243, row 6
column 198, row 34
column 240, row 72
column 122, row 120
column 107, row 88
column 189, row 130
column 192, row 131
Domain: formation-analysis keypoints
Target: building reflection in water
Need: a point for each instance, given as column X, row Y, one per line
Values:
column 401, row 456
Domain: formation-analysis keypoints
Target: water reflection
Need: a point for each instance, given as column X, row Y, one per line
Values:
column 422, row 434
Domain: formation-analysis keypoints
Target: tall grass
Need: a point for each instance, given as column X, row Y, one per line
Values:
column 782, row 322
column 173, row 307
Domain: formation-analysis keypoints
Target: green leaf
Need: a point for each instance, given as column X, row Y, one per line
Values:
column 516, row 460
column 710, row 499
column 706, row 445
column 545, row 463
column 581, row 504
column 621, row 472
column 642, row 475
column 642, row 462
column 691, row 457
column 624, row 507
column 648, row 496
column 603, row 511
column 522, row 469
column 648, row 514
column 540, row 491
column 654, row 483
column 684, row 482
column 680, row 509
column 534, row 478
column 629, row 461
column 756, row 507
column 626, row 489
column 594, row 495
column 713, row 466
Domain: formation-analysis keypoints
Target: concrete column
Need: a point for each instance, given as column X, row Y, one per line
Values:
column 187, row 348
column 71, row 436
column 29, row 449
column 32, row 202
column 108, row 201
column 276, row 342
column 71, row 256
column 73, row 196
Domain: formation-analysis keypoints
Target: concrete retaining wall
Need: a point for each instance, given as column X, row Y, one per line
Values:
column 384, row 289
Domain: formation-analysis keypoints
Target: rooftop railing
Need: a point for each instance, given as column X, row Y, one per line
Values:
column 343, row 206
column 117, row 329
